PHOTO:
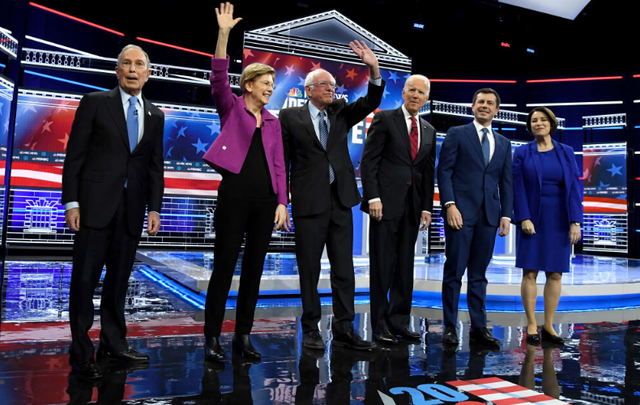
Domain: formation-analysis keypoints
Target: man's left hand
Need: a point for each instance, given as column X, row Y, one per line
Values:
column 425, row 221
column 364, row 53
column 505, row 224
column 153, row 223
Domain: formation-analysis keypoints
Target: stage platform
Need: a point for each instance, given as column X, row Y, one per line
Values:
column 594, row 283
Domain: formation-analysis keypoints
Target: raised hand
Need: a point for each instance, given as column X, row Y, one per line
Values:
column 225, row 17
column 364, row 53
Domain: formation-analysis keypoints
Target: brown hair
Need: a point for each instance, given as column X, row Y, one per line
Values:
column 254, row 70
column 486, row 90
column 550, row 116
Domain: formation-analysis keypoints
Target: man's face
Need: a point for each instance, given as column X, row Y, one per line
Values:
column 415, row 95
column 133, row 71
column 485, row 107
column 322, row 92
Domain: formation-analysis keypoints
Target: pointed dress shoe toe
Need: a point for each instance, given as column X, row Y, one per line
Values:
column 450, row 337
column 405, row 333
column 212, row 349
column 313, row 340
column 351, row 340
column 125, row 356
column 553, row 339
column 386, row 338
column 482, row 336
column 242, row 345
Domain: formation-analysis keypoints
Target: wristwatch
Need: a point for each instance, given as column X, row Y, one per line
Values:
column 449, row 204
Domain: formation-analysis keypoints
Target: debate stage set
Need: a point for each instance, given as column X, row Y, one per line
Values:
column 51, row 56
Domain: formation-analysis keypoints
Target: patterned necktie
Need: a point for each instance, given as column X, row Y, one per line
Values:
column 485, row 147
column 324, row 138
column 413, row 136
column 132, row 123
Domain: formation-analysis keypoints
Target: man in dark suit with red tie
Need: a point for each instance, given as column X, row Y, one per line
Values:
column 397, row 171
column 113, row 171
column 323, row 190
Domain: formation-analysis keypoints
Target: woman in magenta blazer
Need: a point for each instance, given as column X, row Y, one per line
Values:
column 249, row 155
column 548, row 212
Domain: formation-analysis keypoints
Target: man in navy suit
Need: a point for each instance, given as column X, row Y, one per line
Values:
column 476, row 189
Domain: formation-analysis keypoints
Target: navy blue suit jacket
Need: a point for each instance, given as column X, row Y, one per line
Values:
column 527, row 180
column 463, row 178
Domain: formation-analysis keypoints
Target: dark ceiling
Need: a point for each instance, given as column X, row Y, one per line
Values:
column 460, row 38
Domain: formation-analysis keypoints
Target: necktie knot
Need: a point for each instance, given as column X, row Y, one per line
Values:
column 133, row 101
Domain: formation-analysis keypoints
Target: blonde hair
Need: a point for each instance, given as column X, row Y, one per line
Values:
column 254, row 70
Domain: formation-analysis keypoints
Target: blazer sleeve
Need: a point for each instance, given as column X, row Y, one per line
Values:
column 576, row 211
column 79, row 140
column 357, row 111
column 506, row 185
column 428, row 173
column 279, row 167
column 446, row 165
column 286, row 147
column 371, row 156
column 521, row 200
column 220, row 87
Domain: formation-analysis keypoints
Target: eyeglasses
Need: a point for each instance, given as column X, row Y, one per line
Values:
column 140, row 65
column 324, row 84
column 268, row 84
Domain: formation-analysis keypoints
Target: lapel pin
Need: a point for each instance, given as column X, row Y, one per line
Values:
column 149, row 113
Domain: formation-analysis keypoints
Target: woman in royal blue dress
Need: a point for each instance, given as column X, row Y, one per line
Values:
column 548, row 212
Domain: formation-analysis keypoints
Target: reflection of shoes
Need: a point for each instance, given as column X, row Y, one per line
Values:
column 553, row 339
column 242, row 344
column 313, row 340
column 482, row 349
column 114, row 368
column 86, row 369
column 386, row 338
column 405, row 333
column 449, row 349
column 450, row 336
column 126, row 356
column 483, row 336
column 533, row 339
column 212, row 349
column 214, row 367
column 351, row 340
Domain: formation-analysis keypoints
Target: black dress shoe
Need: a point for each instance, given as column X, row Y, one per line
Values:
column 483, row 336
column 450, row 337
column 242, row 345
column 385, row 337
column 313, row 340
column 212, row 349
column 405, row 333
column 351, row 340
column 86, row 369
column 126, row 356
column 553, row 339
column 533, row 339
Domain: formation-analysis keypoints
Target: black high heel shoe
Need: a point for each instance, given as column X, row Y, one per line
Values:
column 533, row 339
column 242, row 345
column 553, row 339
column 212, row 349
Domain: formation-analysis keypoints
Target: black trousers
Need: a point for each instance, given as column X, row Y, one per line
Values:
column 234, row 218
column 391, row 255
column 335, row 229
column 116, row 247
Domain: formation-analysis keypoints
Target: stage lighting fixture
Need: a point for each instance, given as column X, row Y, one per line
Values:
column 568, row 9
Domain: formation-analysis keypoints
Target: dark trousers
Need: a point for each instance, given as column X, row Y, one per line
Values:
column 391, row 255
column 116, row 247
column 234, row 218
column 469, row 248
column 335, row 229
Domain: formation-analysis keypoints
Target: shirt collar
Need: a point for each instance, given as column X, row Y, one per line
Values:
column 480, row 126
column 314, row 111
column 406, row 113
column 124, row 96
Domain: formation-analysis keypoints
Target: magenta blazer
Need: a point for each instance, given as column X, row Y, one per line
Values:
column 237, row 125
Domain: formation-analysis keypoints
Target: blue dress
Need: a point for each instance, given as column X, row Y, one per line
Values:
column 549, row 248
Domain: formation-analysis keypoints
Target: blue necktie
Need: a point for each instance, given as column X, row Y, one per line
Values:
column 485, row 147
column 324, row 138
column 132, row 123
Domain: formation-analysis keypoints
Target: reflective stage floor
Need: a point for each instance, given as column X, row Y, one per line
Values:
column 600, row 363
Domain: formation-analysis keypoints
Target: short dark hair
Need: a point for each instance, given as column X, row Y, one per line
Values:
column 550, row 116
column 486, row 90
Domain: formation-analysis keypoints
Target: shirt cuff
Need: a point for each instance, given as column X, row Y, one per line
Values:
column 374, row 200
column 426, row 212
column 376, row 82
column 71, row 205
column 506, row 218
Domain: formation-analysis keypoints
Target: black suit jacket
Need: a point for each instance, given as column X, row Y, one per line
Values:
column 308, row 162
column 387, row 167
column 99, row 161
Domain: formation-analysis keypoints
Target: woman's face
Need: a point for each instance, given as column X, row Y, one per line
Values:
column 261, row 88
column 540, row 125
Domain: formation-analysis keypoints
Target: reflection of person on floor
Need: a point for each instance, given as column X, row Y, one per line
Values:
column 252, row 196
column 550, row 384
column 110, row 387
column 548, row 212
column 632, row 362
column 342, row 362
column 309, row 376
column 388, row 369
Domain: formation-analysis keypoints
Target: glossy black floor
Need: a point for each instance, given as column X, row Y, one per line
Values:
column 600, row 363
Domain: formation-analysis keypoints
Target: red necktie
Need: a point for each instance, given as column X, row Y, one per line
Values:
column 414, row 138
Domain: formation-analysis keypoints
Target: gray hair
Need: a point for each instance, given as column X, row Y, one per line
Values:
column 311, row 77
column 131, row 46
column 419, row 77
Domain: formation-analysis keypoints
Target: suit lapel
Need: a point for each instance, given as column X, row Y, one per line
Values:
column 422, row 152
column 475, row 142
column 305, row 118
column 533, row 151
column 147, row 123
column 401, row 127
column 114, row 105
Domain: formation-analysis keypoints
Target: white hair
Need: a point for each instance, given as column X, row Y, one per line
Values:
column 419, row 77
column 131, row 46
column 311, row 77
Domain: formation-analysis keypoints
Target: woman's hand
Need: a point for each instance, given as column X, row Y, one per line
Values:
column 528, row 227
column 574, row 233
column 281, row 220
column 225, row 17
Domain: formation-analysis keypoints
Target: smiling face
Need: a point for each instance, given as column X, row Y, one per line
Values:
column 260, row 89
column 322, row 91
column 133, row 71
column 540, row 124
column 485, row 108
column 415, row 94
